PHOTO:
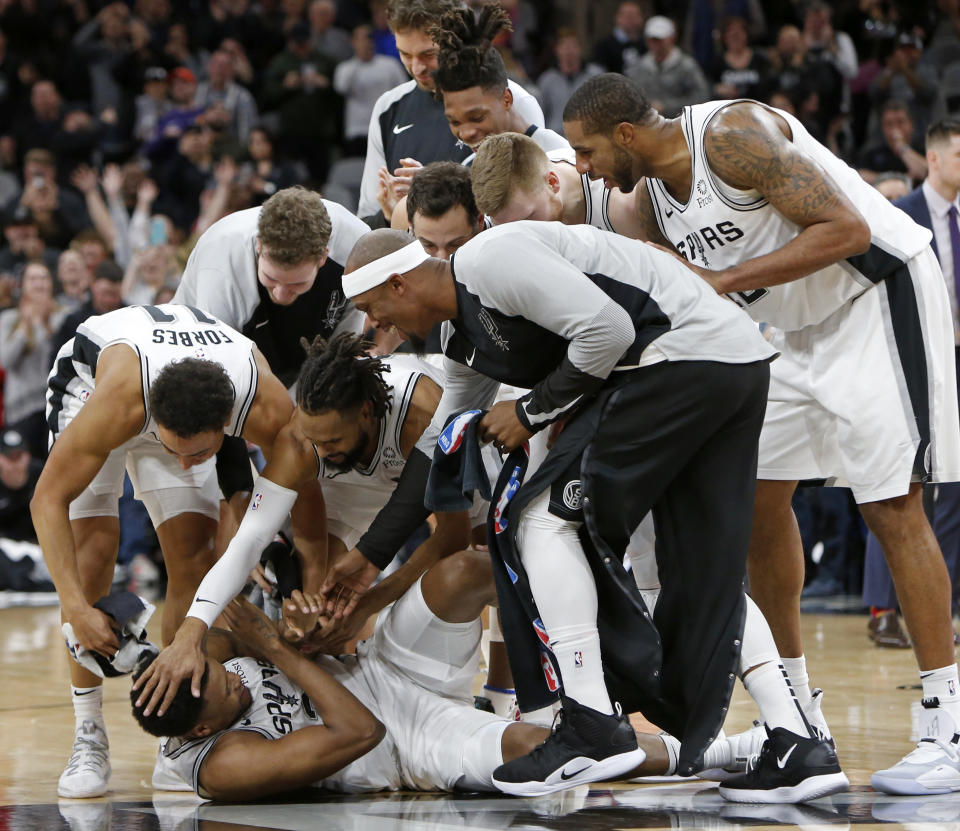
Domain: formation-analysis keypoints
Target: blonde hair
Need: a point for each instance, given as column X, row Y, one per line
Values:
column 506, row 163
column 294, row 226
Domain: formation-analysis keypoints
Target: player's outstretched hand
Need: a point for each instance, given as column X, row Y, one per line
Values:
column 300, row 614
column 334, row 633
column 253, row 627
column 184, row 658
column 347, row 580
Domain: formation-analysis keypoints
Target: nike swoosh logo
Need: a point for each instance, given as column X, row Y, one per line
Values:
column 669, row 213
column 564, row 775
column 781, row 761
column 259, row 325
column 204, row 600
column 88, row 692
column 472, row 356
column 397, row 129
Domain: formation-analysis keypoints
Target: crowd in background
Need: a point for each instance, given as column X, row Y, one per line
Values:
column 126, row 130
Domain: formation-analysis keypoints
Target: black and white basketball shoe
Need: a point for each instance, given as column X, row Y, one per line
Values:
column 585, row 746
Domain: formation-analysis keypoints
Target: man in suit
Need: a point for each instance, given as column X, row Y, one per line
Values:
column 934, row 204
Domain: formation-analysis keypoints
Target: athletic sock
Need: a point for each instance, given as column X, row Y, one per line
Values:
column 796, row 669
column 719, row 754
column 577, row 650
column 542, row 717
column 504, row 701
column 769, row 687
column 672, row 744
column 88, row 705
column 944, row 685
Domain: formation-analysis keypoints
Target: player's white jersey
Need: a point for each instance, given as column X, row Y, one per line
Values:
column 278, row 708
column 353, row 498
column 596, row 198
column 720, row 226
column 159, row 335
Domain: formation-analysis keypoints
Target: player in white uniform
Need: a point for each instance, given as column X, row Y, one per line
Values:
column 863, row 393
column 357, row 420
column 153, row 390
column 398, row 715
column 273, row 273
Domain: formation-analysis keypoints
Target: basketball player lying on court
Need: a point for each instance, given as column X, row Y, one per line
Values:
column 397, row 715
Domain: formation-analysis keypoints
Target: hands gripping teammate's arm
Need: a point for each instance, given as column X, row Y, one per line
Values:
column 300, row 758
column 747, row 147
column 111, row 416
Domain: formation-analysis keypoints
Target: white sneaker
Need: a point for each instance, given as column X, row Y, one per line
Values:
column 87, row 773
column 934, row 765
column 814, row 713
column 741, row 747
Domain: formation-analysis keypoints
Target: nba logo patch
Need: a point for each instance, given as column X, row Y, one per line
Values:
column 452, row 436
column 549, row 673
column 952, row 687
column 541, row 631
column 578, row 658
column 255, row 502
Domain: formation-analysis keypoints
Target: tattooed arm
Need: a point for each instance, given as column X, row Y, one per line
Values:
column 748, row 146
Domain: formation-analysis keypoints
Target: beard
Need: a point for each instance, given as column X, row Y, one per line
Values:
column 417, row 344
column 623, row 173
column 350, row 458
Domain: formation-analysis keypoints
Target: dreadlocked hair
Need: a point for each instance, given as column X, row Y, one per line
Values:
column 467, row 57
column 339, row 375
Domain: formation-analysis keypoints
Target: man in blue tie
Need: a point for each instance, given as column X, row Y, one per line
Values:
column 935, row 206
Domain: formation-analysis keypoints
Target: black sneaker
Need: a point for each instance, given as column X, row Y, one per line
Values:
column 585, row 746
column 790, row 768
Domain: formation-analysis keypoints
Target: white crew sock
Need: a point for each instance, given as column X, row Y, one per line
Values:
column 796, row 669
column 769, row 687
column 88, row 705
column 542, row 717
column 566, row 596
column 943, row 684
column 672, row 744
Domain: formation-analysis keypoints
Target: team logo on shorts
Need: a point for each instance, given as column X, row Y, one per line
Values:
column 549, row 671
column 573, row 495
column 255, row 502
column 493, row 332
column 578, row 658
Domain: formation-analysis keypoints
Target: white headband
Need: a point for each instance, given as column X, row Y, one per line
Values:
column 373, row 274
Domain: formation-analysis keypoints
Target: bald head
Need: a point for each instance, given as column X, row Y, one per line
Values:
column 374, row 245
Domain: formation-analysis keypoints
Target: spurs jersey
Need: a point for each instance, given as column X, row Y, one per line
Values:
column 354, row 497
column 720, row 226
column 279, row 707
column 159, row 335
column 596, row 198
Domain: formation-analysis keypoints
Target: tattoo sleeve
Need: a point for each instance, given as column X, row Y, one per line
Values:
column 747, row 149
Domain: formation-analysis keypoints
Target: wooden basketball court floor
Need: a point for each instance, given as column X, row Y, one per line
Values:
column 867, row 702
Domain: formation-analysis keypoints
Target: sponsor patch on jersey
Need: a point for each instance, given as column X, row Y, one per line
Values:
column 452, row 436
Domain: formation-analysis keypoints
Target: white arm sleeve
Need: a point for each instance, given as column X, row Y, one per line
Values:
column 268, row 508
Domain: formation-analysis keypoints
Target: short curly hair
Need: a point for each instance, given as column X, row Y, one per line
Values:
column 192, row 396
column 294, row 226
column 182, row 714
column 605, row 101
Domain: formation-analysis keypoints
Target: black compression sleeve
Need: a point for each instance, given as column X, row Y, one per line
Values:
column 233, row 467
column 401, row 516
